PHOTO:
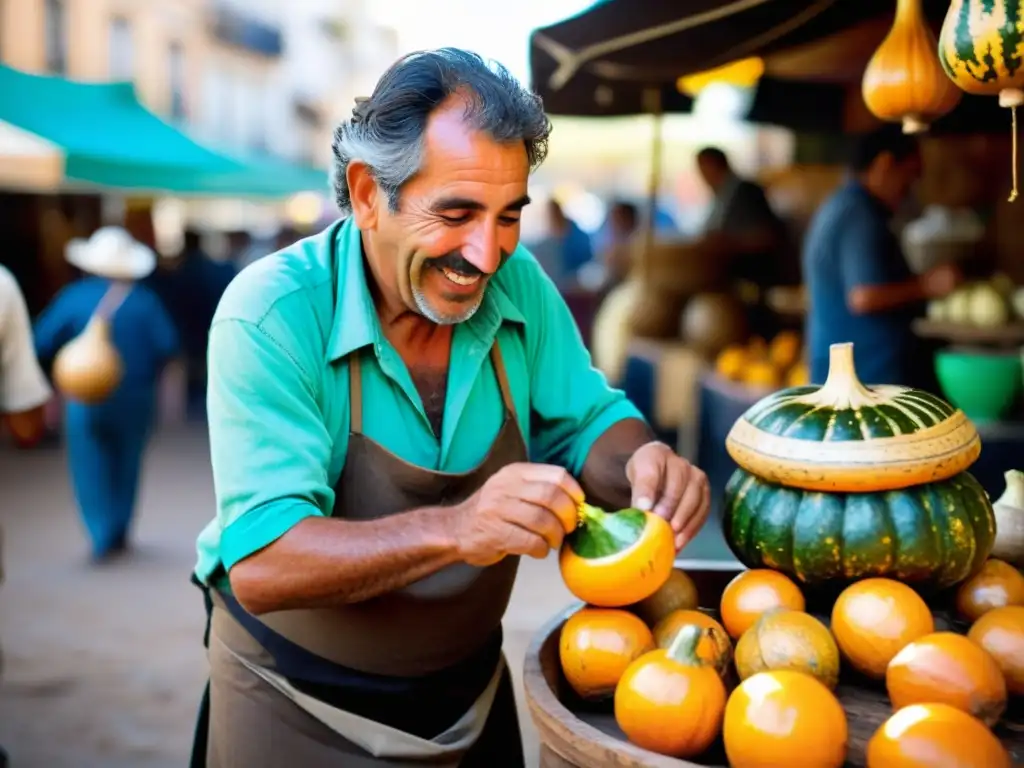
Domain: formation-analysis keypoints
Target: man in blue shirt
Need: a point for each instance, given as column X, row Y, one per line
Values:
column 858, row 282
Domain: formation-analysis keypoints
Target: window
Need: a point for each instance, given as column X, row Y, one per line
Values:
column 176, row 63
column 56, row 37
column 121, row 52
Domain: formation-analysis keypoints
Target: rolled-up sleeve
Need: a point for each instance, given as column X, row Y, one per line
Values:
column 269, row 445
column 572, row 402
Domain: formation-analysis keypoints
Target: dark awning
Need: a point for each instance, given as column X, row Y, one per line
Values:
column 600, row 61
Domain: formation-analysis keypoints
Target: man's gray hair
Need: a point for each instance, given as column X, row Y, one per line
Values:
column 386, row 130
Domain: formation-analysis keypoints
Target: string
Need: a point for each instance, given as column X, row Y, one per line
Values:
column 1013, row 192
column 113, row 299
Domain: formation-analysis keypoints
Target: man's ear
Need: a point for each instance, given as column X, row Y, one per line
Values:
column 362, row 190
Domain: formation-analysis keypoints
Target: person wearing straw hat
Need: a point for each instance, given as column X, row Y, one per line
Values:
column 106, row 440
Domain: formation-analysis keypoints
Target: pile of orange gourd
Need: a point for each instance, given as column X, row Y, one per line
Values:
column 761, row 364
column 763, row 677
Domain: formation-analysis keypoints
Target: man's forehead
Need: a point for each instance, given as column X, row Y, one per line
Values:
column 450, row 134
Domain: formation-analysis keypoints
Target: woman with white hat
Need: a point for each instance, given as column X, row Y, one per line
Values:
column 106, row 437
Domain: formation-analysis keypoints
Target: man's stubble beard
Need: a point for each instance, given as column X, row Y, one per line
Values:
column 435, row 317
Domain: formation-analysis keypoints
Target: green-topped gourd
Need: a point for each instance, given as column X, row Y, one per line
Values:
column 980, row 50
column 614, row 559
column 847, row 437
column 929, row 536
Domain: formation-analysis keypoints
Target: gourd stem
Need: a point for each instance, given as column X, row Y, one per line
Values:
column 1013, row 496
column 586, row 513
column 684, row 645
column 907, row 11
column 842, row 386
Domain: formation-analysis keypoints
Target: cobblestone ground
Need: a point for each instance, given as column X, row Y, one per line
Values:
column 104, row 667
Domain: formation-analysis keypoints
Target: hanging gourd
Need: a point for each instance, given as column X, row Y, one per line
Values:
column 980, row 50
column 904, row 81
column 88, row 368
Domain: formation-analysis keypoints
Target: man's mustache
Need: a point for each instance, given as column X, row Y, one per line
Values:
column 455, row 262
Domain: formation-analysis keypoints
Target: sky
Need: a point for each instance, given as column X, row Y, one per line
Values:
column 496, row 31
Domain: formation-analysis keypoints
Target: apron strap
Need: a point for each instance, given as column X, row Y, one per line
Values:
column 355, row 394
column 502, row 375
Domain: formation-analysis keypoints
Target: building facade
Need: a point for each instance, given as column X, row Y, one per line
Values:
column 248, row 76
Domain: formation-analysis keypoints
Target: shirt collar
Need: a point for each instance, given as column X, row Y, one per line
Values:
column 356, row 324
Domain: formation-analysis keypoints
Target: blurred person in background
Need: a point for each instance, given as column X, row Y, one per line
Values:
column 106, row 441
column 743, row 228
column 618, row 234
column 859, row 285
column 190, row 290
column 565, row 248
column 401, row 407
column 24, row 389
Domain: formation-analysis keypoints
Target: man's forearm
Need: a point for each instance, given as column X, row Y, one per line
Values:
column 324, row 562
column 865, row 299
column 604, row 478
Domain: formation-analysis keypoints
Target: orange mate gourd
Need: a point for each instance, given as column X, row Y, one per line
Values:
column 996, row 585
column 874, row 619
column 753, row 592
column 615, row 559
column 597, row 645
column 677, row 593
column 934, row 736
column 787, row 639
column 715, row 648
column 787, row 715
column 1001, row 633
column 670, row 701
column 947, row 668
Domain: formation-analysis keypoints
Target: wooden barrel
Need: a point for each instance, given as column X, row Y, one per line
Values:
column 578, row 734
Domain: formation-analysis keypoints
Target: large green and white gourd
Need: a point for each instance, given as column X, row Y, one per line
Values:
column 845, row 481
column 846, row 437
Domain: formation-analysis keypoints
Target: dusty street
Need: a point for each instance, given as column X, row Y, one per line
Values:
column 103, row 668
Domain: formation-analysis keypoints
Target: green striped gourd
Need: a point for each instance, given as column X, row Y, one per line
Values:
column 848, row 438
column 981, row 49
column 928, row 536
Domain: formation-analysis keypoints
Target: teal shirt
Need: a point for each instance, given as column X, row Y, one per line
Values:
column 278, row 391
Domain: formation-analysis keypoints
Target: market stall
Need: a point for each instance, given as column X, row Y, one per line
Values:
column 875, row 596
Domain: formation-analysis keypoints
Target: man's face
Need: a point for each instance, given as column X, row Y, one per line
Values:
column 458, row 219
column 906, row 174
column 896, row 178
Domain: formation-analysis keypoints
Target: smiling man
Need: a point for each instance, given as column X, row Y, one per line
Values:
column 400, row 408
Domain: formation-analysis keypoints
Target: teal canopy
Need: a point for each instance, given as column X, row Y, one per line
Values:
column 109, row 138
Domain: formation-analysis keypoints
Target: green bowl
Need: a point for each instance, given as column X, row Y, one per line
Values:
column 984, row 385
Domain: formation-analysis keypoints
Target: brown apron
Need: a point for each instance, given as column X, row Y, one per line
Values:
column 451, row 620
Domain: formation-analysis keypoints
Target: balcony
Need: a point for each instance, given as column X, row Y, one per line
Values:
column 234, row 27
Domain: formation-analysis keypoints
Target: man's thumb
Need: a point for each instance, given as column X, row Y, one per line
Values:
column 644, row 479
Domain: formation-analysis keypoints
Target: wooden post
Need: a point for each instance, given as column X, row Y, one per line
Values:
column 652, row 105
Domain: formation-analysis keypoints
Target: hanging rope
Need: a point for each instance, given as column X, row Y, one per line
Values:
column 1013, row 192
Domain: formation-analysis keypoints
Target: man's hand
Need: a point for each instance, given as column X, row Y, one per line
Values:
column 671, row 487
column 523, row 509
column 940, row 281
